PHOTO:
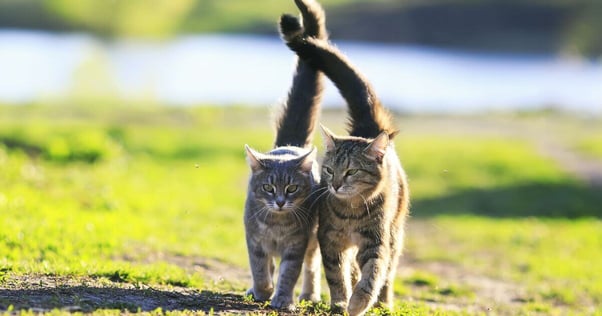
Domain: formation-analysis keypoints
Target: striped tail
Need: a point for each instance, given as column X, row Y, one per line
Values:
column 297, row 121
column 367, row 117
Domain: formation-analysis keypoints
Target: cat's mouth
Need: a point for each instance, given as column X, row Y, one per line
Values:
column 280, row 209
column 341, row 193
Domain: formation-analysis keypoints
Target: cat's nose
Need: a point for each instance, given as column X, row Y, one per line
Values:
column 336, row 186
column 280, row 203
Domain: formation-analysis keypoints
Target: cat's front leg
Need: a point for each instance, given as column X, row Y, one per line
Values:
column 262, row 269
column 374, row 260
column 290, row 268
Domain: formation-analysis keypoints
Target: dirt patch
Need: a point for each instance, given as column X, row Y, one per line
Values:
column 213, row 269
column 41, row 293
column 480, row 293
column 589, row 170
column 490, row 295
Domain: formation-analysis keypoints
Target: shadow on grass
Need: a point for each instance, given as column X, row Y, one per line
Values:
column 571, row 200
column 88, row 299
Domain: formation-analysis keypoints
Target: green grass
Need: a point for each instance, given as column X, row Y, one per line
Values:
column 547, row 257
column 591, row 145
column 100, row 193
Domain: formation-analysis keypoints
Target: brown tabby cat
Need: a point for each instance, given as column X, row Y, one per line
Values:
column 278, row 219
column 366, row 198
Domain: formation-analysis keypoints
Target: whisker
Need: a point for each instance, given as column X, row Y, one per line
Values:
column 365, row 203
column 310, row 195
column 326, row 192
column 302, row 216
column 259, row 211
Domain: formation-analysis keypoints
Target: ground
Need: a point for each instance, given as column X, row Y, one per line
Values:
column 441, row 285
column 41, row 293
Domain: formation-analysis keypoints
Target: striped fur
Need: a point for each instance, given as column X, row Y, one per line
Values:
column 297, row 122
column 278, row 218
column 364, row 197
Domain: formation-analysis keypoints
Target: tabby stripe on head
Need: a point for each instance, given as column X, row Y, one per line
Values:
column 367, row 182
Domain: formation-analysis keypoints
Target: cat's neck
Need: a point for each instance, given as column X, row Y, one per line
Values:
column 360, row 203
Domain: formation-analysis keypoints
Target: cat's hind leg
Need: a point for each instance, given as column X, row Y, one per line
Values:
column 310, row 290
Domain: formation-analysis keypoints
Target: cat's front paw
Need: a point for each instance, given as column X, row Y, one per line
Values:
column 338, row 308
column 283, row 302
column 359, row 302
column 259, row 296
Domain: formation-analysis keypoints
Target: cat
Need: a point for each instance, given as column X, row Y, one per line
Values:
column 364, row 199
column 278, row 219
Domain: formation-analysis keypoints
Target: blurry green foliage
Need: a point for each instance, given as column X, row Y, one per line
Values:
column 236, row 15
column 585, row 34
column 61, row 145
column 140, row 18
column 160, row 18
column 571, row 26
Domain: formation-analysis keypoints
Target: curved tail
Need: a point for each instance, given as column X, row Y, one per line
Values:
column 299, row 115
column 367, row 117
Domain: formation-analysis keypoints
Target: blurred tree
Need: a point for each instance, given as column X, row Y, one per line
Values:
column 585, row 35
column 131, row 18
column 551, row 26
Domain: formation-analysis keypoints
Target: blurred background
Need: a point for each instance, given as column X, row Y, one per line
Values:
column 422, row 56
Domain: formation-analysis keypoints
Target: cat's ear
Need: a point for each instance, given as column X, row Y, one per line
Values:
column 253, row 158
column 377, row 147
column 327, row 138
column 306, row 162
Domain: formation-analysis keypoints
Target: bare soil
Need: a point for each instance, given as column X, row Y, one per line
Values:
column 40, row 293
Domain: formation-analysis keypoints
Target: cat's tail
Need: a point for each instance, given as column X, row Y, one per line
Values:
column 367, row 117
column 299, row 115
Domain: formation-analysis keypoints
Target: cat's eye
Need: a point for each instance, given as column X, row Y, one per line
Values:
column 292, row 188
column 268, row 188
column 351, row 172
column 328, row 170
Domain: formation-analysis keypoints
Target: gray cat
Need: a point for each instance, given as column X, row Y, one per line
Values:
column 366, row 198
column 278, row 218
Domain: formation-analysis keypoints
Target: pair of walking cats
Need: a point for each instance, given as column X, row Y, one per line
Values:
column 351, row 211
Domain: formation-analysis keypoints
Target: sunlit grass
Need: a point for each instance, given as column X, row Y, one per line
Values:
column 173, row 181
column 591, row 146
column 544, row 256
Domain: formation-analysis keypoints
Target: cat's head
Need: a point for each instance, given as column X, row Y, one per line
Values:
column 353, row 166
column 282, row 179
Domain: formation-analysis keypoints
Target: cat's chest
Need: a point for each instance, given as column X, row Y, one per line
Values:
column 274, row 237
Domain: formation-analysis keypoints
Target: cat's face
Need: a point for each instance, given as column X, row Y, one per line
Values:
column 352, row 166
column 281, row 181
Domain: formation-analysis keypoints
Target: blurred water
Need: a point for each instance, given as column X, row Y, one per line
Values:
column 227, row 69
